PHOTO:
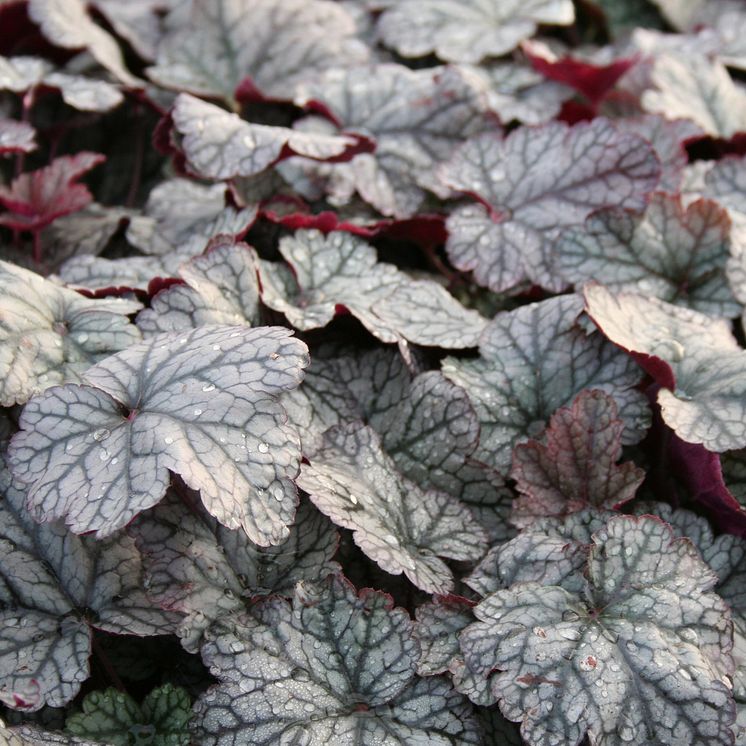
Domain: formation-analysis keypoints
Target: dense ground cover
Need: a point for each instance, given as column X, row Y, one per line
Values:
column 372, row 372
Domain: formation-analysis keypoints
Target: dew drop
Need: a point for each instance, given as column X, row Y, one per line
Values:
column 101, row 434
column 353, row 499
column 278, row 493
column 216, row 348
column 82, row 338
column 104, row 455
column 263, row 448
column 685, row 674
column 168, row 440
column 114, row 461
column 197, row 412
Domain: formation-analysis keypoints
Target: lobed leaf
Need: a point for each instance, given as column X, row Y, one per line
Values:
column 396, row 523
column 694, row 357
column 50, row 334
column 532, row 361
column 335, row 667
column 577, row 466
column 203, row 570
column 532, row 184
column 467, row 31
column 635, row 658
column 202, row 405
column 220, row 145
column 340, row 269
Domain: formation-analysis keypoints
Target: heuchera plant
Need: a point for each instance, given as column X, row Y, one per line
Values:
column 372, row 372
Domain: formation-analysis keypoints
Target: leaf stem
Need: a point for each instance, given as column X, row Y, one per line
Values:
column 103, row 660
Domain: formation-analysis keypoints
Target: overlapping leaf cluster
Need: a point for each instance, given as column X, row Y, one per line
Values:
column 382, row 362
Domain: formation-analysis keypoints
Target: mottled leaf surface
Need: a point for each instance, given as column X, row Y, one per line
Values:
column 221, row 145
column 534, row 183
column 417, row 119
column 467, row 31
column 34, row 199
column 695, row 358
column 647, row 628
column 697, row 88
column 396, row 523
column 50, row 334
column 671, row 252
column 334, row 667
column 200, row 568
column 534, row 360
column 221, row 288
column 221, row 43
column 577, row 466
column 341, row 269
column 202, row 405
column 53, row 587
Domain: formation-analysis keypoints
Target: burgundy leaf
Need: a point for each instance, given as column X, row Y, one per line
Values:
column 35, row 199
column 577, row 467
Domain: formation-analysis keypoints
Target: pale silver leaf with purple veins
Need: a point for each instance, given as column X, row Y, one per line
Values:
column 342, row 269
column 67, row 24
column 417, row 119
column 534, row 360
column 19, row 74
column 425, row 423
column 221, row 288
column 672, row 252
column 276, row 45
column 467, row 30
column 54, row 586
column 578, row 465
column 629, row 659
column 668, row 137
column 695, row 357
column 551, row 551
column 698, row 88
column 32, row 735
column 181, row 216
column 136, row 21
column 335, row 667
column 531, row 185
column 437, row 627
column 196, row 566
column 16, row 137
column 516, row 92
column 202, row 404
column 95, row 272
column 50, row 334
column 396, row 523
column 220, row 145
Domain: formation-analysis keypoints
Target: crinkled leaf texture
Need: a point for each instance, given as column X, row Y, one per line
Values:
column 396, row 523
column 694, row 357
column 35, row 199
column 532, row 184
column 114, row 718
column 335, row 667
column 417, row 118
column 221, row 287
column 220, row 145
column 577, row 466
column 222, row 43
column 203, row 405
column 30, row 735
column 641, row 656
column 55, row 586
column 426, row 424
column 534, row 360
column 671, row 252
column 200, row 568
column 467, row 30
column 50, row 334
column 340, row 269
